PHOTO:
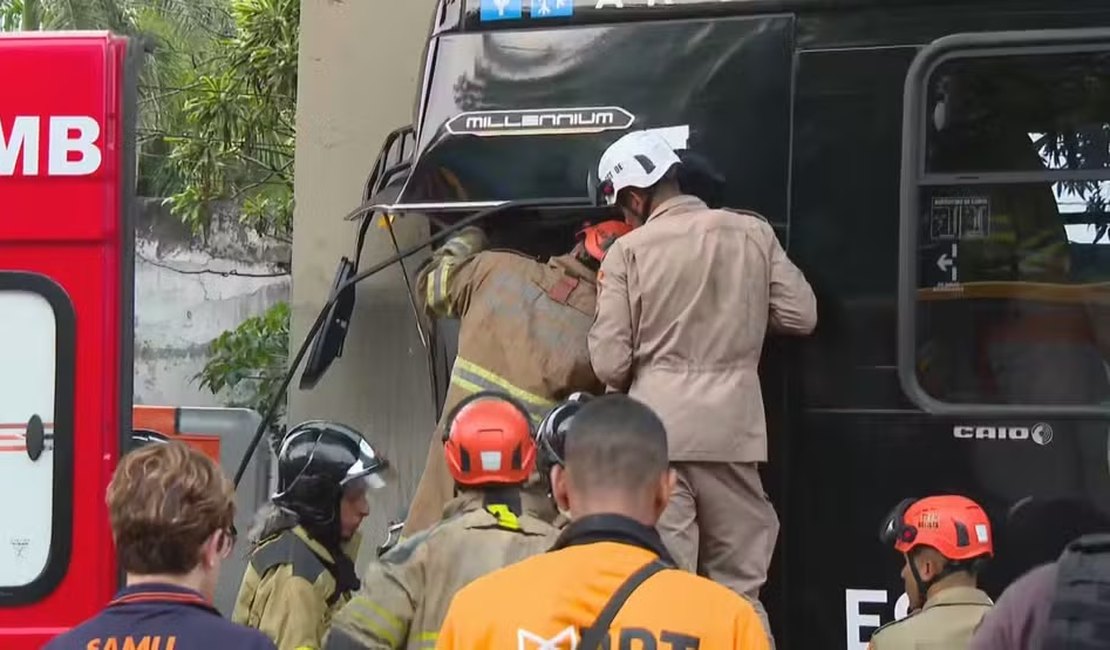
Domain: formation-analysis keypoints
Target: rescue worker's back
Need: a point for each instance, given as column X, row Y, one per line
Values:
column 673, row 609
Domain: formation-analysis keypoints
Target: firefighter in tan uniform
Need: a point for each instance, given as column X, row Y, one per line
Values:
column 522, row 331
column 301, row 568
column 685, row 301
column 945, row 541
column 490, row 453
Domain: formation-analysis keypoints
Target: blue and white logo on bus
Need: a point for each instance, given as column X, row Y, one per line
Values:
column 502, row 9
column 552, row 8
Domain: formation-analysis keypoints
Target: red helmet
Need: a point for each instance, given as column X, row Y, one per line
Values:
column 489, row 441
column 955, row 526
column 600, row 236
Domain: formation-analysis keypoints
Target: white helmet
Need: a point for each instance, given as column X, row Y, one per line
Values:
column 638, row 159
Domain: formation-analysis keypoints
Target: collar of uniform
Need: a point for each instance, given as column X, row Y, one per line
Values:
column 161, row 593
column 471, row 502
column 570, row 265
column 958, row 596
column 466, row 501
column 349, row 548
column 680, row 204
column 612, row 528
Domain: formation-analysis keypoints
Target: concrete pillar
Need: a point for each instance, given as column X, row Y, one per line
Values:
column 359, row 68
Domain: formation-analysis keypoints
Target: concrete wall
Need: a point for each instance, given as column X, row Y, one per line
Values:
column 359, row 65
column 183, row 299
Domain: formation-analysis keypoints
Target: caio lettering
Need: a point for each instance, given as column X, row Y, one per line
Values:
column 71, row 148
column 964, row 432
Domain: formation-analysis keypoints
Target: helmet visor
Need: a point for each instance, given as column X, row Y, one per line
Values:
column 367, row 467
column 894, row 528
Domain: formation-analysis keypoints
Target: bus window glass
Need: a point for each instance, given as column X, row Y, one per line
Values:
column 1013, row 295
column 28, row 335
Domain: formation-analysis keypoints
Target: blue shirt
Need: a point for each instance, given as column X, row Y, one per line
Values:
column 159, row 617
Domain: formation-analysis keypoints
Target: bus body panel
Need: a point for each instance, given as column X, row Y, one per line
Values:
column 66, row 181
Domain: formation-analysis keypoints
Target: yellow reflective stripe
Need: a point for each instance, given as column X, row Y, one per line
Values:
column 428, row 639
column 437, row 298
column 474, row 378
column 357, row 608
column 505, row 517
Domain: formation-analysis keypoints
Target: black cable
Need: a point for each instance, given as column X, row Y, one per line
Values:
column 369, row 207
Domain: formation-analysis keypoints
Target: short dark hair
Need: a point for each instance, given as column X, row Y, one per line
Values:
column 164, row 501
column 616, row 443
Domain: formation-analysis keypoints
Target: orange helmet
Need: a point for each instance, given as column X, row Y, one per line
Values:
column 955, row 526
column 600, row 236
column 488, row 441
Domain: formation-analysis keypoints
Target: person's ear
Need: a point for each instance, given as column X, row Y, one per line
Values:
column 559, row 488
column 667, row 481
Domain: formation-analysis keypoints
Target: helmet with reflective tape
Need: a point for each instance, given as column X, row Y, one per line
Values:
column 957, row 527
column 317, row 461
column 638, row 159
column 598, row 237
column 488, row 441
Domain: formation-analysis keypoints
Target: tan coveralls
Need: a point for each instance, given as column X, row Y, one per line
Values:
column 404, row 597
column 684, row 303
column 288, row 600
column 522, row 331
column 946, row 622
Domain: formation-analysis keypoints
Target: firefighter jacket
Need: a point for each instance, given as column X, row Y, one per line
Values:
column 289, row 592
column 547, row 600
column 404, row 597
column 946, row 622
column 522, row 331
column 159, row 617
column 684, row 303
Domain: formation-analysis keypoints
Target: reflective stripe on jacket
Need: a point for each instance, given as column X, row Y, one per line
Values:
column 404, row 597
column 547, row 600
column 683, row 307
column 287, row 591
column 522, row 331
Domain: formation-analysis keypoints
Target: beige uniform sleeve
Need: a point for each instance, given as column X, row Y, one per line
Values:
column 379, row 616
column 294, row 614
column 447, row 280
column 611, row 335
column 793, row 304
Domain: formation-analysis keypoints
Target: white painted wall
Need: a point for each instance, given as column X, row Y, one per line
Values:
column 180, row 306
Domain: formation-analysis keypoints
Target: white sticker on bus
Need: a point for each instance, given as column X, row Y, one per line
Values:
column 27, row 368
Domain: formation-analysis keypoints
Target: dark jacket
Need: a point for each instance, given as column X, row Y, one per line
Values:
column 159, row 617
column 1019, row 618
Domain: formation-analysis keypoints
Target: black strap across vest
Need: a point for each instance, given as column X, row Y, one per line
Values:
column 290, row 549
column 593, row 636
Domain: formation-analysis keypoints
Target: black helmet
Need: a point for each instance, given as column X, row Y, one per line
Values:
column 317, row 461
column 551, row 434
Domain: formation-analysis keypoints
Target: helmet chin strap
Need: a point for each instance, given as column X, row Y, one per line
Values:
column 923, row 586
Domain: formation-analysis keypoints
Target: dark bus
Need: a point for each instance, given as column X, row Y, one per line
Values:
column 938, row 169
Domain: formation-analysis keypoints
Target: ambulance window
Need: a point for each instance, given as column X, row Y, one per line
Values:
column 1010, row 243
column 35, row 425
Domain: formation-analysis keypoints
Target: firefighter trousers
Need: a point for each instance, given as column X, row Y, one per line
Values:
column 720, row 524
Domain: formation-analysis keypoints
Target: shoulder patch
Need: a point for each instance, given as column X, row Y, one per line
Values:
column 289, row 549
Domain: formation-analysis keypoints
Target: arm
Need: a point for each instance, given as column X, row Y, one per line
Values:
column 294, row 613
column 610, row 337
column 793, row 304
column 379, row 616
column 445, row 282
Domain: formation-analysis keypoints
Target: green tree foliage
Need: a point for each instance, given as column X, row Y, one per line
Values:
column 249, row 361
column 238, row 122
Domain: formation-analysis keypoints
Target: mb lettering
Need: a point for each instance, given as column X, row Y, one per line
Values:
column 1039, row 433
column 860, row 625
column 70, row 142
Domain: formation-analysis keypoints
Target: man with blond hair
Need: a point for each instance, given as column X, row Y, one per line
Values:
column 171, row 510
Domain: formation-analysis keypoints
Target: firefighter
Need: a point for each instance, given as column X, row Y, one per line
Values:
column 945, row 541
column 301, row 568
column 171, row 510
column 490, row 453
column 684, row 303
column 522, row 332
column 551, row 438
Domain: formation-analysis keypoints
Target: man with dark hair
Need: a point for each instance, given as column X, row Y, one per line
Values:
column 616, row 483
column 171, row 511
